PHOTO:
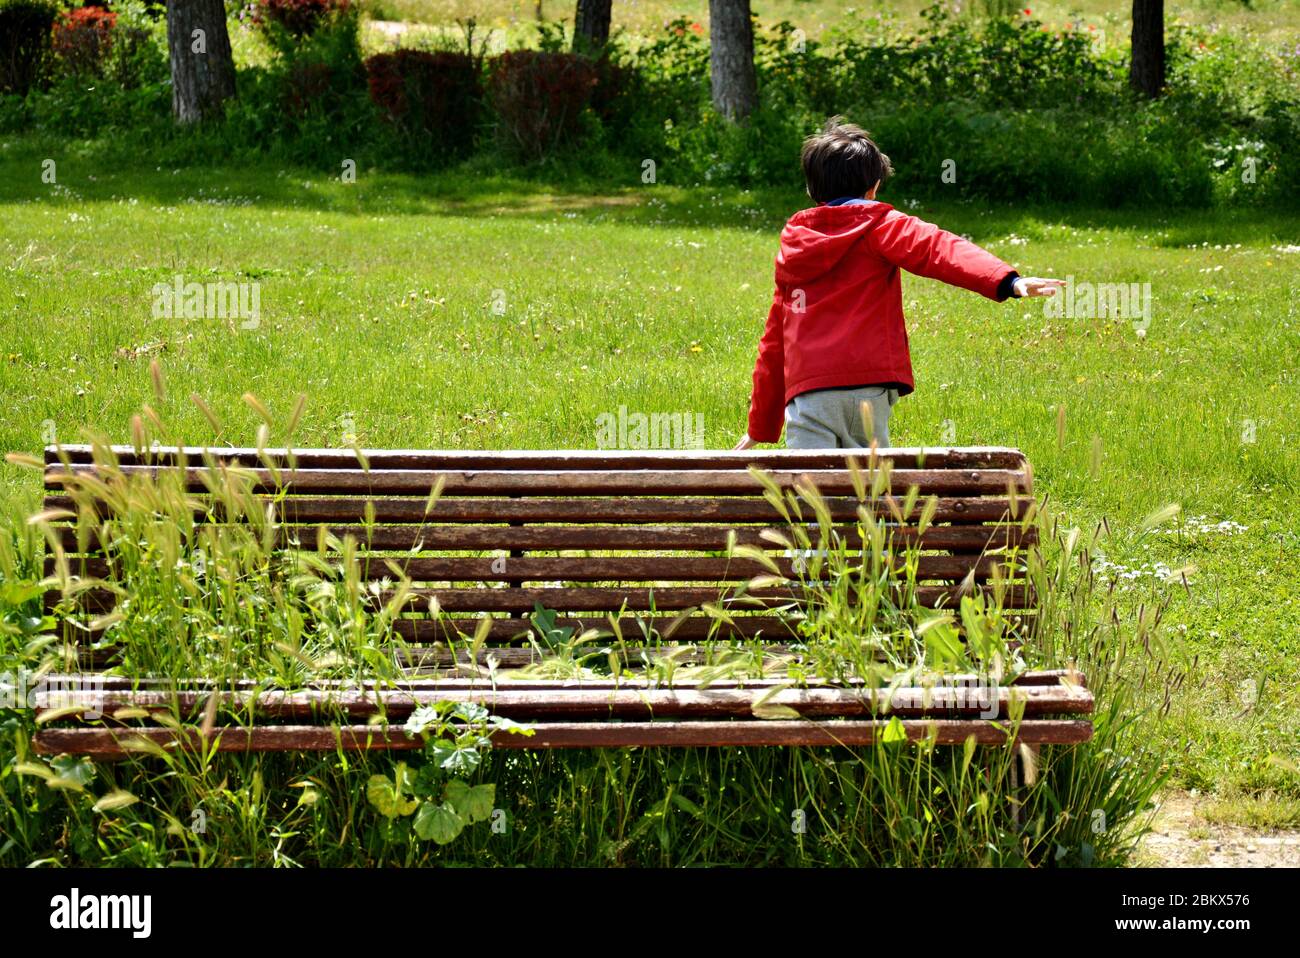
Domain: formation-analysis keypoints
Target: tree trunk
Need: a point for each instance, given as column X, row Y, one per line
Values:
column 203, row 68
column 1147, row 62
column 731, row 58
column 591, row 25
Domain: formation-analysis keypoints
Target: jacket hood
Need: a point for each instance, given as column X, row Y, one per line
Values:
column 816, row 239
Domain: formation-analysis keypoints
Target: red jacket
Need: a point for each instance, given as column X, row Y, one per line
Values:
column 837, row 313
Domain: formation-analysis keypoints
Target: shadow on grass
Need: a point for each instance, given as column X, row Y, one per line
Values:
column 555, row 194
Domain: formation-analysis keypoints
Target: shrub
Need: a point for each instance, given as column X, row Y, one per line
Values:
column 306, row 82
column 539, row 98
column 434, row 97
column 310, row 102
column 613, row 96
column 297, row 18
column 24, row 43
column 135, row 58
column 82, row 38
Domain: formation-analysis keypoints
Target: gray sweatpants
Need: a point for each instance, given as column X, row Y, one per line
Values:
column 839, row 418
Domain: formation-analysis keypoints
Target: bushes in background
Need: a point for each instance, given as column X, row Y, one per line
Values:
column 539, row 98
column 309, row 105
column 431, row 97
column 297, row 18
column 25, row 27
column 1022, row 111
column 82, row 38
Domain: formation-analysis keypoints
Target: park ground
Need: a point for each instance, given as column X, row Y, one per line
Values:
column 502, row 313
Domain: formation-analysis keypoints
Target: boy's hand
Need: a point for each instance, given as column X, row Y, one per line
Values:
column 1034, row 286
column 745, row 443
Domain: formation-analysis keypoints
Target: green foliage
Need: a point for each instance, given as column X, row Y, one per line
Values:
column 25, row 27
column 431, row 99
column 455, row 741
column 1024, row 112
column 222, row 600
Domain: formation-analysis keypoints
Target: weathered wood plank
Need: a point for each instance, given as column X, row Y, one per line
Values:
column 449, row 538
column 979, row 457
column 675, row 482
column 608, row 568
column 106, row 743
column 602, row 598
column 399, row 509
column 984, row 701
column 119, row 683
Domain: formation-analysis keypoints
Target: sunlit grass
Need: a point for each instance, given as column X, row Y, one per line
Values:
column 377, row 303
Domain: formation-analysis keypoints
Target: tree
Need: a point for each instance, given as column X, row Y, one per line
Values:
column 1147, row 61
column 731, row 58
column 203, row 68
column 591, row 25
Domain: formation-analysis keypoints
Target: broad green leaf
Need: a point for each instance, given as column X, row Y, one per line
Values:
column 458, row 761
column 470, row 712
column 510, row 725
column 438, row 822
column 76, row 769
column 943, row 648
column 474, row 803
column 422, row 718
column 894, row 732
column 384, row 796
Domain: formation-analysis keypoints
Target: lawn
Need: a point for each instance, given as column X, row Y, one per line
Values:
column 1263, row 17
column 476, row 312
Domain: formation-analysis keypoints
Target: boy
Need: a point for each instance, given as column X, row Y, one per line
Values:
column 833, row 358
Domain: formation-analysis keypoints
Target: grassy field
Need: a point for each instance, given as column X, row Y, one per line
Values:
column 475, row 312
column 1262, row 17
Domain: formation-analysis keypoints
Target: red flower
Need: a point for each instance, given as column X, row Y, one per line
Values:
column 697, row 28
column 1028, row 12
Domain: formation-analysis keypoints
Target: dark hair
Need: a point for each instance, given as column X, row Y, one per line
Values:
column 842, row 160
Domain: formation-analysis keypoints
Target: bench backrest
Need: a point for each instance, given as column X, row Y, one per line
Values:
column 592, row 533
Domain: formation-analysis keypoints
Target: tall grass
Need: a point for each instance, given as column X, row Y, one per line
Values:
column 232, row 597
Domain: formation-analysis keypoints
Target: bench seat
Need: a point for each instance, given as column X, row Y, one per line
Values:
column 634, row 541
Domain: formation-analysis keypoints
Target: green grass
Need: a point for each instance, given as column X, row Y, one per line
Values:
column 648, row 16
column 377, row 302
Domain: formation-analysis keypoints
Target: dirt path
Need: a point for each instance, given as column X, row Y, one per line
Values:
column 1183, row 839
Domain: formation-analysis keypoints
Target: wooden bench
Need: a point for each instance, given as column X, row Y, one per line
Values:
column 636, row 541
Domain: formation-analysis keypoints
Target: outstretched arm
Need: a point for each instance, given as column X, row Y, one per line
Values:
column 926, row 250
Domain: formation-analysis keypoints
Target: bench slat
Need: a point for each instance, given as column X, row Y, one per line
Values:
column 397, row 509
column 595, row 702
column 514, row 681
column 989, row 457
column 597, row 598
column 105, row 743
column 606, row 568
column 836, row 482
column 447, row 538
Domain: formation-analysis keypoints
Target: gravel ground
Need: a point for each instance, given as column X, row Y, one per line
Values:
column 1183, row 839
